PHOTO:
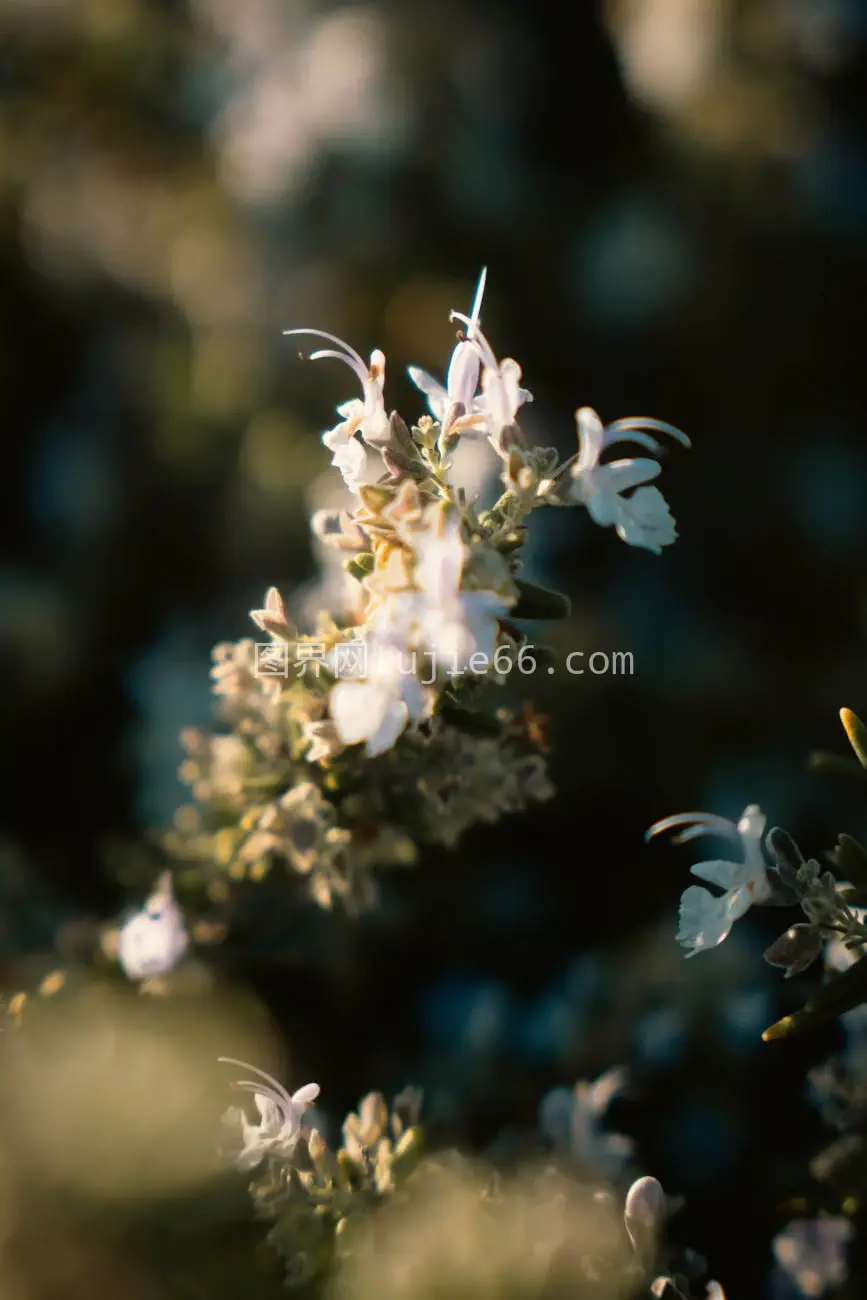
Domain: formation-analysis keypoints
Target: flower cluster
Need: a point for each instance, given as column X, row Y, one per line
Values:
column 811, row 1250
column 351, row 746
column 379, row 1217
column 772, row 871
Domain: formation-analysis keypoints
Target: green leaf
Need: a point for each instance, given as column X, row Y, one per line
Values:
column 857, row 733
column 468, row 720
column 836, row 765
column 539, row 602
column 360, row 565
column 842, row 993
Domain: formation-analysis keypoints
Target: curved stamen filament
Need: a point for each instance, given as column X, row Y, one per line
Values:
column 635, row 423
column 476, row 312
column 248, row 1085
column 347, row 355
column 695, row 824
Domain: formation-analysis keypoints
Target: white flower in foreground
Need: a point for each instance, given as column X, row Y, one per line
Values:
column 705, row 918
column 280, row 1116
column 642, row 519
column 379, row 708
column 644, row 1216
column 462, row 380
column 363, row 415
column 153, row 941
column 458, row 628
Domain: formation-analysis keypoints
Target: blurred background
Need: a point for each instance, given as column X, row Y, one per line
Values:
column 671, row 199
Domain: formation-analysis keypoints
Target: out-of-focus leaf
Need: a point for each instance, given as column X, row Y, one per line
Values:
column 842, row 993
column 850, row 862
column 826, row 764
column 795, row 950
column 857, row 733
column 468, row 720
column 786, row 854
column 539, row 602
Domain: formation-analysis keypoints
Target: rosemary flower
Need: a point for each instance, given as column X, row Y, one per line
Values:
column 280, row 1116
column 705, row 918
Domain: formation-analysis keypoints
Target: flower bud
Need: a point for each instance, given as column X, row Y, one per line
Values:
column 644, row 1215
column 795, row 950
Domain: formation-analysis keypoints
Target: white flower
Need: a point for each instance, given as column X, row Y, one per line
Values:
column 454, row 625
column 379, row 708
column 812, row 1252
column 153, row 941
column 462, row 380
column 502, row 394
column 705, row 919
column 280, row 1116
column 363, row 415
column 642, row 519
column 572, row 1119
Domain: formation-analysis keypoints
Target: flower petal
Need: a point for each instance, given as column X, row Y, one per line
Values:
column 358, row 709
column 725, row 874
column 436, row 394
column 304, row 1096
column 393, row 723
column 621, row 475
column 705, row 921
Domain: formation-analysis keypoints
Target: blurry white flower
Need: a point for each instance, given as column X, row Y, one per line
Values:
column 572, row 1119
column 378, row 709
column 454, row 625
column 642, row 519
column 813, row 1253
column 705, row 919
column 153, row 941
column 462, row 380
column 361, row 415
column 280, row 1116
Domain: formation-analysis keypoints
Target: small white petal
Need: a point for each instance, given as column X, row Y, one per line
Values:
column 358, row 709
column 304, row 1096
column 392, row 725
column 436, row 394
column 725, row 874
column 646, row 520
column 705, row 921
column 752, row 822
column 622, row 475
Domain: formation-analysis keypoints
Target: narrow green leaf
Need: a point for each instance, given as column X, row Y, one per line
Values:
column 539, row 602
column 842, row 993
column 857, row 733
